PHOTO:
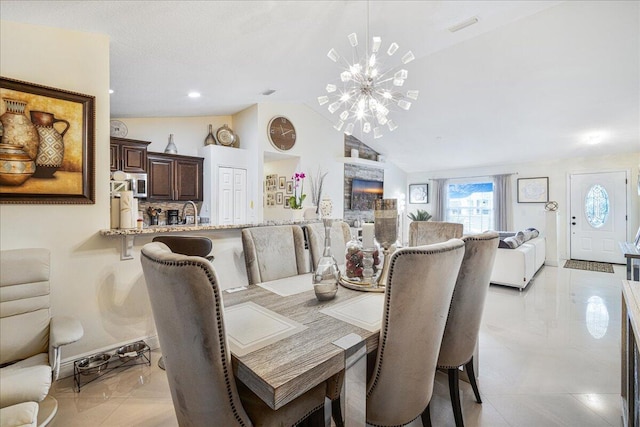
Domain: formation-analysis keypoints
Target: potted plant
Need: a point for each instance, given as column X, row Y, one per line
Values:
column 420, row 215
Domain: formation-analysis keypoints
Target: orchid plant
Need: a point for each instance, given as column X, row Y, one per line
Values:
column 295, row 201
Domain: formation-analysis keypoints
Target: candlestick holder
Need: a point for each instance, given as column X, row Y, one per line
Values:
column 385, row 215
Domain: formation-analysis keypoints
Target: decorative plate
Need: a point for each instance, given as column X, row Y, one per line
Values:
column 225, row 136
column 118, row 129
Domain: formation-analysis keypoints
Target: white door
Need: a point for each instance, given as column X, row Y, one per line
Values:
column 239, row 196
column 598, row 216
column 225, row 196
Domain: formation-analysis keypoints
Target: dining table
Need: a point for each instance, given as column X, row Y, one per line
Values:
column 284, row 341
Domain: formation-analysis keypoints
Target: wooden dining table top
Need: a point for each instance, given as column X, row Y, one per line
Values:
column 284, row 370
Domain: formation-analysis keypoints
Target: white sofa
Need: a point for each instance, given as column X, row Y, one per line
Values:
column 516, row 266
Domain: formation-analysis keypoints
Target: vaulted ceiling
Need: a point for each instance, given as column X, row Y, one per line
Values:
column 531, row 80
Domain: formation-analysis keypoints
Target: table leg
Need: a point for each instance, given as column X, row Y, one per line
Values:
column 354, row 388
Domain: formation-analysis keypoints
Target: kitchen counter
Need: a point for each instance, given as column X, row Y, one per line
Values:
column 158, row 229
column 128, row 235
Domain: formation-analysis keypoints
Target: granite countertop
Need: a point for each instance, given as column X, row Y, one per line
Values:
column 157, row 229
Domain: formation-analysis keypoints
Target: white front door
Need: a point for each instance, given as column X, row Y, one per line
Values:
column 598, row 216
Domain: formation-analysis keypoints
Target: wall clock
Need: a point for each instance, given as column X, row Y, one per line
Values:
column 118, row 129
column 225, row 136
column 281, row 132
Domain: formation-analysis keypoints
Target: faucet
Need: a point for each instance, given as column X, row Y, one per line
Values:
column 195, row 213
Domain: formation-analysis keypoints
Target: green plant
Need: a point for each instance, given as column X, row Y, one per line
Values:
column 420, row 215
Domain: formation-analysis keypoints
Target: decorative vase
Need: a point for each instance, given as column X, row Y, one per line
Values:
column 171, row 147
column 326, row 207
column 17, row 129
column 385, row 215
column 210, row 139
column 51, row 148
column 15, row 165
column 362, row 264
column 327, row 274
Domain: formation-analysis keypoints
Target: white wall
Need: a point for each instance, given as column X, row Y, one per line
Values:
column 558, row 170
column 88, row 280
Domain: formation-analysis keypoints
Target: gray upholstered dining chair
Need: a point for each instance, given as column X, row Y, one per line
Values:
column 186, row 245
column 273, row 252
column 428, row 232
column 197, row 356
column 340, row 235
column 417, row 298
column 465, row 314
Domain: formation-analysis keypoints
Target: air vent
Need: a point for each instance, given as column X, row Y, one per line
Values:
column 463, row 24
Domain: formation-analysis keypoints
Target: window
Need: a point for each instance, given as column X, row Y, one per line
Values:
column 471, row 203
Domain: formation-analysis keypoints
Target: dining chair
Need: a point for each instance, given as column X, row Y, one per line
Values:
column 197, row 356
column 186, row 245
column 417, row 297
column 465, row 314
column 273, row 252
column 428, row 232
column 340, row 235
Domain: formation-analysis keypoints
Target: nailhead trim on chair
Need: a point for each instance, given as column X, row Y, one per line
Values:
column 221, row 335
column 385, row 330
column 483, row 236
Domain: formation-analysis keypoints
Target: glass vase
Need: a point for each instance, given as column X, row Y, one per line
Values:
column 386, row 231
column 327, row 274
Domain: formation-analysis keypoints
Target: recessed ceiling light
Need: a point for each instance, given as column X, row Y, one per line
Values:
column 110, row 91
column 594, row 138
column 194, row 95
column 463, row 24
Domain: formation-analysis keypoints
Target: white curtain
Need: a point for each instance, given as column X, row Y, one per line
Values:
column 502, row 202
column 439, row 194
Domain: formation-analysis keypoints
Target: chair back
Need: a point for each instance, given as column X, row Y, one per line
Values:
column 24, row 303
column 417, row 297
column 187, row 245
column 273, row 252
column 465, row 313
column 195, row 351
column 429, row 232
column 340, row 235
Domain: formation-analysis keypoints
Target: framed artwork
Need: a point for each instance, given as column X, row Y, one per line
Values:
column 271, row 182
column 271, row 200
column 281, row 182
column 418, row 193
column 289, row 187
column 533, row 190
column 286, row 203
column 48, row 151
column 279, row 198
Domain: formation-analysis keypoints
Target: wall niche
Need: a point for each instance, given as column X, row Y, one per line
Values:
column 352, row 171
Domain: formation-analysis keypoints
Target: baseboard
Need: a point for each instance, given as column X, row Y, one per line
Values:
column 66, row 365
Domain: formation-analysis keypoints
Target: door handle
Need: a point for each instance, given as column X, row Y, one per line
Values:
column 573, row 223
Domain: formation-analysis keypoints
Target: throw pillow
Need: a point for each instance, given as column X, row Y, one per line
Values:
column 512, row 242
column 535, row 233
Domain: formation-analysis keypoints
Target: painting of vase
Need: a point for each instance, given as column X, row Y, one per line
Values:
column 51, row 148
column 48, row 134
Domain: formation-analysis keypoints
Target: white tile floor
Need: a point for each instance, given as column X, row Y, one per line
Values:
column 549, row 356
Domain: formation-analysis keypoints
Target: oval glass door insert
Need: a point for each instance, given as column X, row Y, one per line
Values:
column 596, row 206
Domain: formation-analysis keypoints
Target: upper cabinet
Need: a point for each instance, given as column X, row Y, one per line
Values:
column 174, row 177
column 128, row 155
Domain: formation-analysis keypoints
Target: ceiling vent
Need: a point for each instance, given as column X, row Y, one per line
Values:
column 463, row 24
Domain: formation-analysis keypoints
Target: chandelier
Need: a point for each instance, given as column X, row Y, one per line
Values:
column 369, row 89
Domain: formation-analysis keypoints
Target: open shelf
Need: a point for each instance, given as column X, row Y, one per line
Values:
column 363, row 162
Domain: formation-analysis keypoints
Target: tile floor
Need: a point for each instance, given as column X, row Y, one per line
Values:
column 549, row 356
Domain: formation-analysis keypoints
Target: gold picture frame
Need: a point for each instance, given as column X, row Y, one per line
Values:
column 47, row 148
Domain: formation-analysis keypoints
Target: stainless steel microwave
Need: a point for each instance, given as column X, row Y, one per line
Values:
column 136, row 182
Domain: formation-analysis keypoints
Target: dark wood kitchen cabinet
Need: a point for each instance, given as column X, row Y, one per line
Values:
column 128, row 155
column 174, row 177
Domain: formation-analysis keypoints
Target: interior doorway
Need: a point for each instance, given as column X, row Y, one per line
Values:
column 598, row 216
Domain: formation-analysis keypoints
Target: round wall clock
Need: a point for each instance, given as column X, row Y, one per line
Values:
column 282, row 134
column 118, row 129
column 225, row 136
